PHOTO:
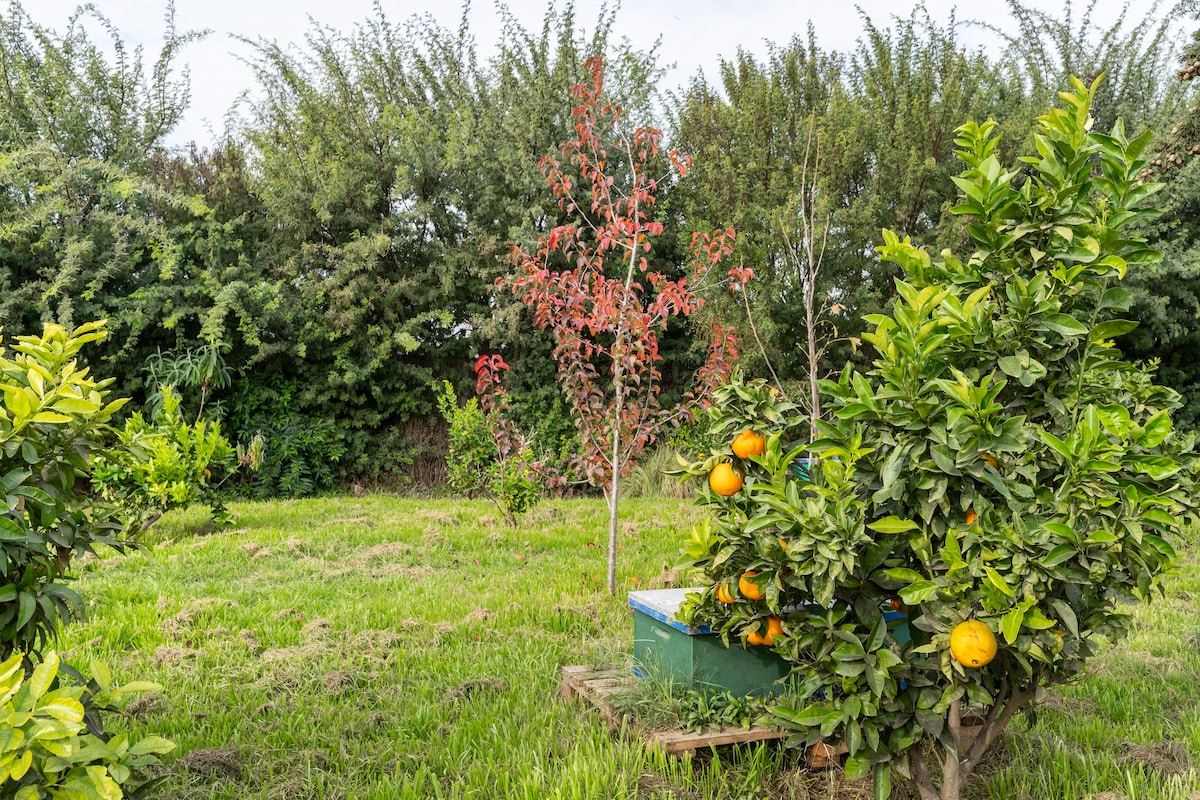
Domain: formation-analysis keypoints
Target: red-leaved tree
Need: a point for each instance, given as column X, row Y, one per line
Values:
column 589, row 283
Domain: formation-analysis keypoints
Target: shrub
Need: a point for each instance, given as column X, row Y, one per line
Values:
column 1001, row 476
column 46, row 747
column 300, row 454
column 487, row 455
column 168, row 463
column 54, row 418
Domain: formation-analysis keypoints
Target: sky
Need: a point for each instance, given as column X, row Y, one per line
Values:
column 695, row 34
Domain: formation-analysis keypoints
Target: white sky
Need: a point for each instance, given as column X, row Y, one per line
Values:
column 695, row 33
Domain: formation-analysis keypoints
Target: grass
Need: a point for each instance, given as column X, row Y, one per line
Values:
column 383, row 648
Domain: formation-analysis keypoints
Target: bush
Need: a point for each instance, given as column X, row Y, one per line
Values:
column 479, row 463
column 168, row 463
column 300, row 454
column 46, row 747
column 1002, row 477
column 55, row 417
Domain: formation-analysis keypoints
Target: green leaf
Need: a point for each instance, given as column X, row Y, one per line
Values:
column 27, row 604
column 811, row 716
column 857, row 767
column 919, row 592
column 44, row 672
column 1156, row 430
column 11, row 531
column 75, row 405
column 151, row 744
column 1064, row 324
column 64, row 709
column 1059, row 554
column 893, row 524
column 1116, row 299
column 1157, row 467
column 1010, row 624
column 904, row 575
column 50, row 417
column 979, row 695
column 883, row 781
column 101, row 674
column 1111, row 329
column 998, row 581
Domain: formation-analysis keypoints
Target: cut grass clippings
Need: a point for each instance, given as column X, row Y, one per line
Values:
column 388, row 648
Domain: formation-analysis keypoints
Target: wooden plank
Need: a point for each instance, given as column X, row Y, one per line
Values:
column 680, row 742
column 597, row 686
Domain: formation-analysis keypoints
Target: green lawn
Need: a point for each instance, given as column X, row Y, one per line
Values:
column 383, row 648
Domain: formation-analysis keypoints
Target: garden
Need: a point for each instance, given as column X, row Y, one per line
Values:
column 320, row 499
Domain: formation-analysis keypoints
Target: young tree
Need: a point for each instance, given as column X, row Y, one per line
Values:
column 1002, row 476
column 589, row 282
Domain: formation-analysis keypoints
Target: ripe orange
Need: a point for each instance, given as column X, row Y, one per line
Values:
column 723, row 594
column 972, row 643
column 748, row 443
column 725, row 480
column 774, row 628
column 749, row 589
column 971, row 516
column 991, row 461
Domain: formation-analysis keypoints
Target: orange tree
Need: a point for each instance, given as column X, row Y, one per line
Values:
column 1001, row 476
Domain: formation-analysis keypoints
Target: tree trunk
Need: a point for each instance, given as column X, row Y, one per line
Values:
column 958, row 767
column 613, row 498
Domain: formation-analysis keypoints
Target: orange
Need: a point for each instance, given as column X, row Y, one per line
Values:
column 725, row 480
column 723, row 594
column 991, row 461
column 748, row 443
column 749, row 589
column 774, row 628
column 972, row 643
column 971, row 516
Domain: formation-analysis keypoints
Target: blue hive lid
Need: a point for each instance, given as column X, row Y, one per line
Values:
column 663, row 604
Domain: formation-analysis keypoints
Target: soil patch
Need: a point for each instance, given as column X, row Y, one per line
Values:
column 468, row 688
column 224, row 762
column 1166, row 757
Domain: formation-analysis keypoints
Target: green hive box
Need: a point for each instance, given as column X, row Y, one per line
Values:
column 664, row 647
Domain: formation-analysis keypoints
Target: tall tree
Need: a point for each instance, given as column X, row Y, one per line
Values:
column 1168, row 299
column 82, row 235
column 393, row 165
column 883, row 122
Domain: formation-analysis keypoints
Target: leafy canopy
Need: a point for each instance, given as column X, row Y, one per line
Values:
column 1001, row 462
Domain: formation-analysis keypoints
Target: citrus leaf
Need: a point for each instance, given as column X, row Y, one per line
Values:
column 892, row 524
column 1010, row 624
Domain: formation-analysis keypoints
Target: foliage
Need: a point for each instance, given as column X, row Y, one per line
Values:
column 83, row 234
column 48, row 751
column 1167, row 300
column 300, row 452
column 1001, row 462
column 202, row 369
column 54, row 419
column 168, row 463
column 590, row 283
column 487, row 455
column 391, row 165
column 884, row 115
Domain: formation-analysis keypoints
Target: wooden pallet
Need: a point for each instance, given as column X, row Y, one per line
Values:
column 598, row 687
